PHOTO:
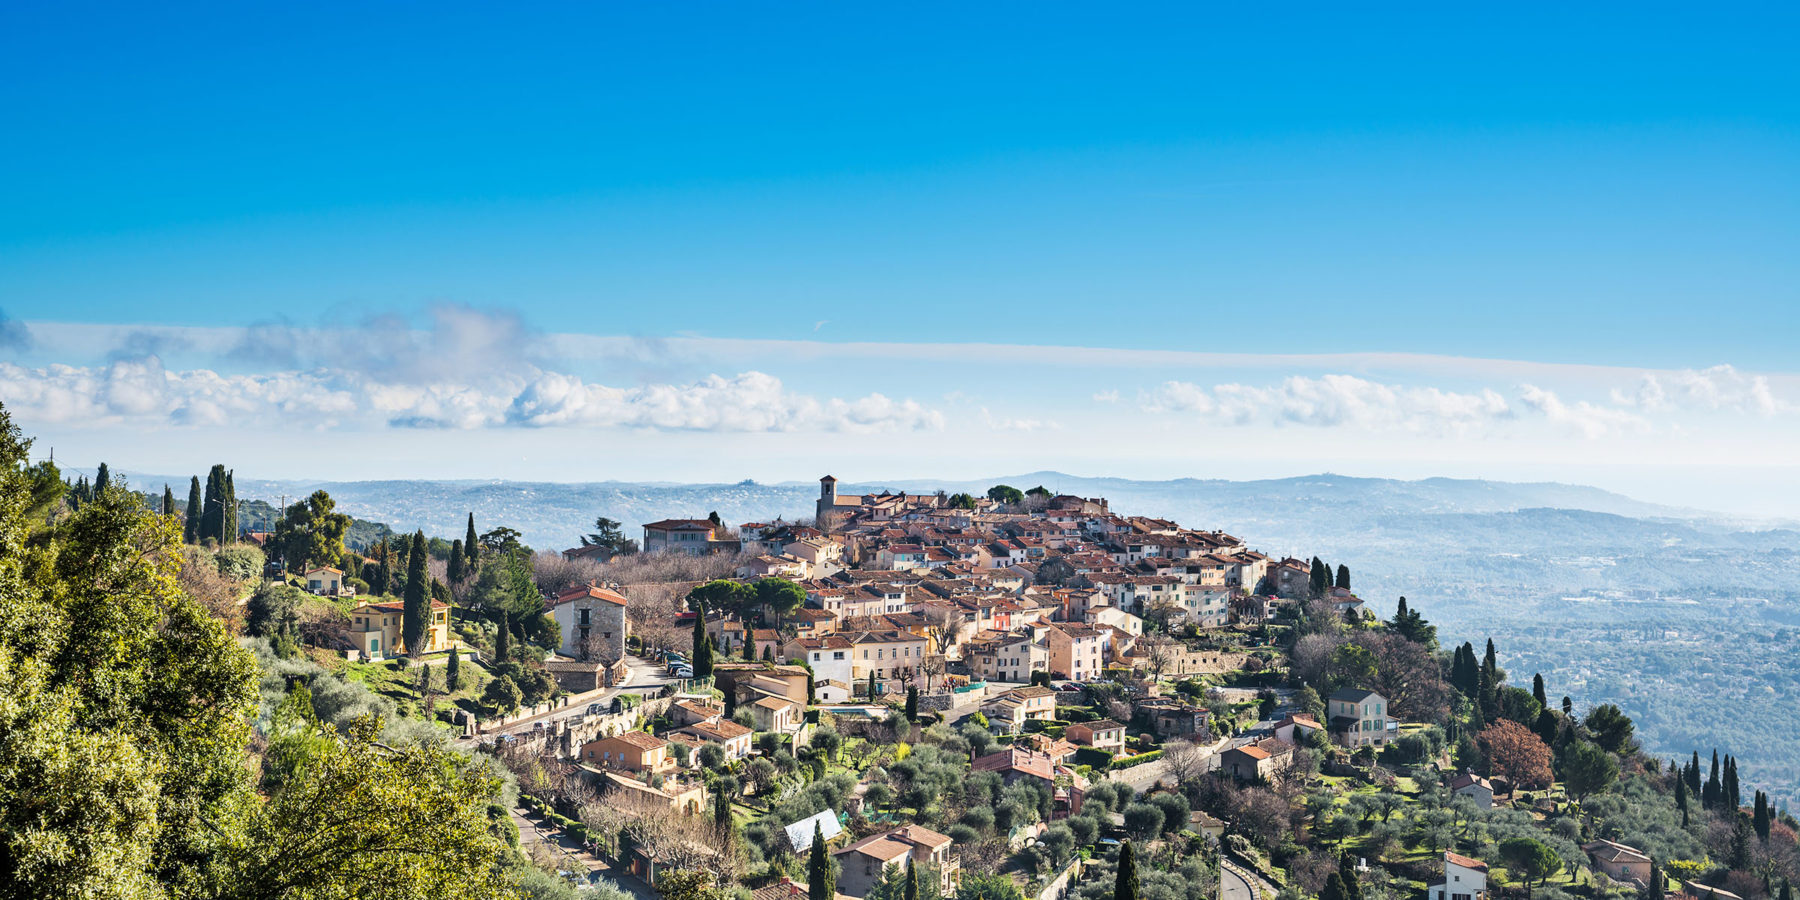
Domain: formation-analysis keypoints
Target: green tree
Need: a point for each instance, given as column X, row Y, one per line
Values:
column 311, row 532
column 1347, row 872
column 502, row 695
column 962, row 501
column 1125, row 881
column 472, row 547
column 912, row 704
column 610, row 535
column 1005, row 494
column 821, row 879
column 212, row 516
column 191, row 524
column 1320, row 582
column 416, row 602
column 1143, row 821
column 689, row 884
column 230, row 533
column 1343, row 577
column 1610, row 727
column 454, row 568
column 1409, row 624
column 453, row 671
column 1530, row 860
column 168, row 501
column 1588, row 769
column 703, row 649
column 720, row 596
column 1334, row 888
column 102, row 479
column 779, row 596
column 274, row 612
column 1537, row 690
column 912, row 883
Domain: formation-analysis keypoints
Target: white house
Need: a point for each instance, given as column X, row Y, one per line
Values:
column 1464, row 879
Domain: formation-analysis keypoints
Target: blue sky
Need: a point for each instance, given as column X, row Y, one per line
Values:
column 1597, row 204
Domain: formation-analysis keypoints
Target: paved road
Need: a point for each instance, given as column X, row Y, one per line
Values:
column 1234, row 886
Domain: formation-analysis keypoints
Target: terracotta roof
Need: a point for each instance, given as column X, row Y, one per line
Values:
column 721, row 731
column 1464, row 861
column 586, row 591
column 638, row 739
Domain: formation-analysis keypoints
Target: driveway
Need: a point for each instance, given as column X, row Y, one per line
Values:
column 1234, row 886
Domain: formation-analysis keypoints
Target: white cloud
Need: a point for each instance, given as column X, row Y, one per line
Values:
column 1719, row 388
column 1106, row 397
column 1591, row 420
column 1331, row 401
column 141, row 390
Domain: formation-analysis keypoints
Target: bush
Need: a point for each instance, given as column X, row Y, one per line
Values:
column 240, row 562
column 1126, row 762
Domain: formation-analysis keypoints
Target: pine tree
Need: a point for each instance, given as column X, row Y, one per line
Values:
column 1125, row 884
column 1343, row 576
column 1537, row 690
column 455, row 568
column 415, row 626
column 471, row 548
column 102, row 479
column 190, row 531
column 453, row 671
column 168, row 505
column 820, row 880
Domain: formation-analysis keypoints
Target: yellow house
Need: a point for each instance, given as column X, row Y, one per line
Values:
column 375, row 627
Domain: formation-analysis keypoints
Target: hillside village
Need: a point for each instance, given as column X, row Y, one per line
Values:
column 1007, row 696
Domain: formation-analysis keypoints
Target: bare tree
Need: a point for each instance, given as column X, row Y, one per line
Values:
column 1185, row 760
column 664, row 837
column 931, row 667
column 1159, row 652
column 942, row 622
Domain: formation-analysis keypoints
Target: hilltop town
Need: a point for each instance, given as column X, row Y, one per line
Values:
column 907, row 695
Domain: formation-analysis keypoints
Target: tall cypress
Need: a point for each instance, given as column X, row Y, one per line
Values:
column 1125, row 884
column 102, row 479
column 1343, row 576
column 503, row 640
column 168, row 505
column 230, row 533
column 416, row 621
column 911, row 891
column 1760, row 819
column 1728, row 792
column 190, row 530
column 211, row 522
column 455, row 568
column 1320, row 582
column 1694, row 775
column 1347, row 871
column 453, row 671
column 1537, row 690
column 471, row 548
column 1709, row 795
column 384, row 568
column 821, row 883
column 1681, row 799
column 703, row 655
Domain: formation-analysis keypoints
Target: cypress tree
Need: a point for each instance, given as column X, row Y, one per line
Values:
column 453, row 671
column 1740, row 858
column 1654, row 885
column 229, row 534
column 722, row 812
column 1320, row 583
column 1334, row 888
column 503, row 640
column 415, row 627
column 1787, row 889
column 911, row 891
column 820, row 882
column 1347, row 871
column 471, row 548
column 455, row 568
column 1537, row 690
column 912, row 704
column 1568, row 706
column 1694, row 775
column 1760, row 821
column 1125, row 885
column 1681, row 799
column 749, row 646
column 1728, row 793
column 871, row 685
column 703, row 653
column 190, row 530
column 212, row 522
column 102, row 479
column 1547, row 726
column 1709, row 795
column 384, row 568
column 1343, row 576
column 168, row 506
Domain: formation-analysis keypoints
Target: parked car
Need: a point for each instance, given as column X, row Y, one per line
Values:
column 683, row 672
